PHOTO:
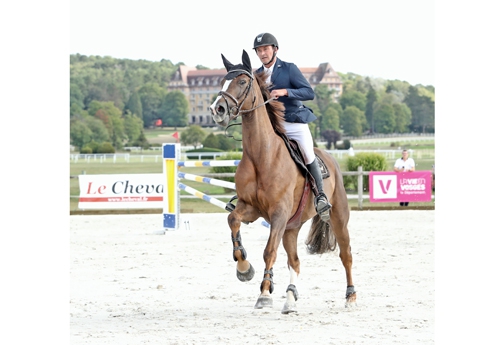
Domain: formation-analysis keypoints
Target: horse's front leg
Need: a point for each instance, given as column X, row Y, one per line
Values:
column 270, row 254
column 244, row 269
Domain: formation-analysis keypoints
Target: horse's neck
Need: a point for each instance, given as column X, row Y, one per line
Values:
column 259, row 138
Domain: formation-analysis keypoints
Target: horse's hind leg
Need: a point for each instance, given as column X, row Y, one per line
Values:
column 244, row 269
column 290, row 245
column 339, row 223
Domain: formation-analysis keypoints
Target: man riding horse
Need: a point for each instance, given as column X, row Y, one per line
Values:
column 289, row 86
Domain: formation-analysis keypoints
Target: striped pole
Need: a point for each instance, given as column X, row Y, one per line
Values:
column 203, row 196
column 210, row 199
column 207, row 180
column 221, row 163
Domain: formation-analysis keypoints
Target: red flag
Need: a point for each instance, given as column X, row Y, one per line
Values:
column 176, row 136
column 158, row 123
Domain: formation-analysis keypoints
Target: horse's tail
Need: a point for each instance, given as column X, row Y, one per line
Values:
column 321, row 238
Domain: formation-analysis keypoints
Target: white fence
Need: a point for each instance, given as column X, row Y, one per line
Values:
column 127, row 157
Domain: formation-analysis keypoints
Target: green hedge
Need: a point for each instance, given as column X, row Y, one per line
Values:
column 369, row 162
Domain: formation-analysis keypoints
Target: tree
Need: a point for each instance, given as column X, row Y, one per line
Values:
column 76, row 96
column 227, row 144
column 134, row 105
column 211, row 141
column 174, row 110
column 402, row 116
column 76, row 110
column 112, row 118
column 397, row 86
column 323, row 97
column 421, row 102
column 194, row 135
column 353, row 98
column 352, row 121
column 141, row 141
column 109, row 79
column 133, row 126
column 371, row 98
column 323, row 101
column 330, row 119
column 80, row 134
column 99, row 130
column 384, row 118
column 152, row 96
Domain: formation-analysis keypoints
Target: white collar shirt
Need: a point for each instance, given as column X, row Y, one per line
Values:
column 269, row 71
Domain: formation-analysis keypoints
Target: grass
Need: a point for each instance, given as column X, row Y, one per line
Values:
column 148, row 162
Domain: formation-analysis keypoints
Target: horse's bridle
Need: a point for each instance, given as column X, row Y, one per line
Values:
column 236, row 110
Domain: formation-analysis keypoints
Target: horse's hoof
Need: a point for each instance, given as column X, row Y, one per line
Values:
column 264, row 302
column 289, row 308
column 350, row 301
column 247, row 275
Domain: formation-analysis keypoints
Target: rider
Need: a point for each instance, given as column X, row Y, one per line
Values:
column 291, row 87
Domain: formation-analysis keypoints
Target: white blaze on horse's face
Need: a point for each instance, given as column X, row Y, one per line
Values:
column 219, row 112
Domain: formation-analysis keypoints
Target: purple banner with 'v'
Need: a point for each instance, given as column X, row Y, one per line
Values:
column 402, row 186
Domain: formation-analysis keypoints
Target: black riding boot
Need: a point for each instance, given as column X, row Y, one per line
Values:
column 321, row 202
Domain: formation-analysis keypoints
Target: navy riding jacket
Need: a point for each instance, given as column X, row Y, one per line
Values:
column 286, row 75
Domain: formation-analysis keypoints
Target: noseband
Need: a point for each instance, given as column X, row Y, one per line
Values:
column 236, row 110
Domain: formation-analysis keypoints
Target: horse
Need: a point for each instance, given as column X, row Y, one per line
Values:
column 269, row 184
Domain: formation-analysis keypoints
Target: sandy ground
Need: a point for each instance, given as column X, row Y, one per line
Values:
column 132, row 283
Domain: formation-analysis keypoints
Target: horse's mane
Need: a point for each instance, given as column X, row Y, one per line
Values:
column 275, row 110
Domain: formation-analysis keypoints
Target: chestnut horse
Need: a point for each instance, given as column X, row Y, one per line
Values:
column 269, row 184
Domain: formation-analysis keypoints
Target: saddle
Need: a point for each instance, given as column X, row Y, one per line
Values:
column 298, row 157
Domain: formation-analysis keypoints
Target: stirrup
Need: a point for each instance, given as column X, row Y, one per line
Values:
column 322, row 207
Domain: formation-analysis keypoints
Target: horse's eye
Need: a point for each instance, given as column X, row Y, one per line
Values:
column 242, row 82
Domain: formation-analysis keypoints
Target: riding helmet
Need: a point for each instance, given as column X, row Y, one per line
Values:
column 265, row 39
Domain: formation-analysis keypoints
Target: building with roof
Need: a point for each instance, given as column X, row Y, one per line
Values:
column 200, row 87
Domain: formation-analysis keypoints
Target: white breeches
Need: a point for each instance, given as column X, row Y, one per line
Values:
column 301, row 133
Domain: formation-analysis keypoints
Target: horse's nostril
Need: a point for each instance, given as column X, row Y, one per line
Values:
column 221, row 110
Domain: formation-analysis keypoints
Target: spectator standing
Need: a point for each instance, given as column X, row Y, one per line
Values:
column 404, row 164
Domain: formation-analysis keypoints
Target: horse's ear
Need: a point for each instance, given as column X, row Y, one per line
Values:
column 246, row 61
column 227, row 64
